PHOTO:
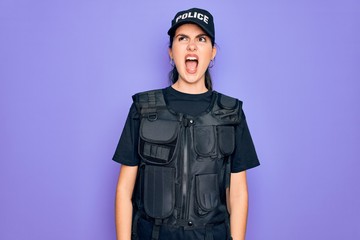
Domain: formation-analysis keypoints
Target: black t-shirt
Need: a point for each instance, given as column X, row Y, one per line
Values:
column 243, row 158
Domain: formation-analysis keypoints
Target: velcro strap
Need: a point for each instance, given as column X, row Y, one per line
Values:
column 157, row 151
column 156, row 229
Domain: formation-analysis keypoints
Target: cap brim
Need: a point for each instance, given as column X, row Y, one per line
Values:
column 172, row 30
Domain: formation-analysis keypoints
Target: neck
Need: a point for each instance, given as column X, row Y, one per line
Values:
column 191, row 88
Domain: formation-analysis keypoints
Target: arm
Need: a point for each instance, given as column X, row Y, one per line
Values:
column 123, row 204
column 238, row 205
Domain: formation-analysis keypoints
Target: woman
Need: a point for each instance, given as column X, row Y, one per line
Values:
column 185, row 149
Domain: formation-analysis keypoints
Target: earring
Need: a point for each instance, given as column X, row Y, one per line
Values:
column 172, row 62
column 212, row 62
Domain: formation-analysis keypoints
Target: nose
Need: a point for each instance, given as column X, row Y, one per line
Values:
column 192, row 46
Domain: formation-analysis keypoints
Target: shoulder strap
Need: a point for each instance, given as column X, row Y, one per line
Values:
column 228, row 109
column 149, row 102
column 227, row 102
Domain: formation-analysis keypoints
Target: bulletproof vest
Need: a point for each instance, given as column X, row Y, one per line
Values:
column 185, row 161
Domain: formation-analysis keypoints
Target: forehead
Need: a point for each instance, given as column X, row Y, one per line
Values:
column 189, row 28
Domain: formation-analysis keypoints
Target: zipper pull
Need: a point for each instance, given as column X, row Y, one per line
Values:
column 187, row 122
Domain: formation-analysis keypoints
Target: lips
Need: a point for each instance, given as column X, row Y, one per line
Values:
column 191, row 63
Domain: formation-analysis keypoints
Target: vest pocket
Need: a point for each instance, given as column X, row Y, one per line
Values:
column 158, row 140
column 226, row 138
column 205, row 141
column 159, row 191
column 207, row 192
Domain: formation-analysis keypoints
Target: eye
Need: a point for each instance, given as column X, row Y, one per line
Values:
column 202, row 39
column 182, row 38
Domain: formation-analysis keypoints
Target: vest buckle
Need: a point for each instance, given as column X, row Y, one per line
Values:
column 152, row 117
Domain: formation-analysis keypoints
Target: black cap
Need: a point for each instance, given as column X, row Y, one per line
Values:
column 198, row 16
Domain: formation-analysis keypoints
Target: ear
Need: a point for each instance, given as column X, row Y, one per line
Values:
column 213, row 52
column 170, row 53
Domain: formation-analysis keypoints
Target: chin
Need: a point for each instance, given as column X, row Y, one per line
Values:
column 192, row 78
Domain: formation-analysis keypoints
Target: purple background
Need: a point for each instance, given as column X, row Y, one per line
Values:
column 67, row 73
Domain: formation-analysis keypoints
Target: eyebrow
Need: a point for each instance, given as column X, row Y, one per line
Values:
column 184, row 35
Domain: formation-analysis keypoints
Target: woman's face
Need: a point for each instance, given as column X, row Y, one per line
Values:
column 192, row 52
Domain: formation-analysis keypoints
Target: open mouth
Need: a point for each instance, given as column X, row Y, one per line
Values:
column 191, row 62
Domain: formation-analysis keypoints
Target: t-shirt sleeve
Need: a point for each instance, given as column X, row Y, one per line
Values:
column 126, row 150
column 244, row 156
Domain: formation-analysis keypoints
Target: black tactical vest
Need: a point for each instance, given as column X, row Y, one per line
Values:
column 185, row 165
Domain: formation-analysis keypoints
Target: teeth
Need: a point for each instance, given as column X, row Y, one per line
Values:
column 191, row 58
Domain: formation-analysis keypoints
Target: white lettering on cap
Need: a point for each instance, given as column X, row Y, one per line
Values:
column 178, row 18
column 206, row 19
column 197, row 15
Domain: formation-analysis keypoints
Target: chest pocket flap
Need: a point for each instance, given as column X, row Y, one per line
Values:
column 159, row 131
column 158, row 140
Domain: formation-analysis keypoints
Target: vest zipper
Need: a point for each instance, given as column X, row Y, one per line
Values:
column 185, row 170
